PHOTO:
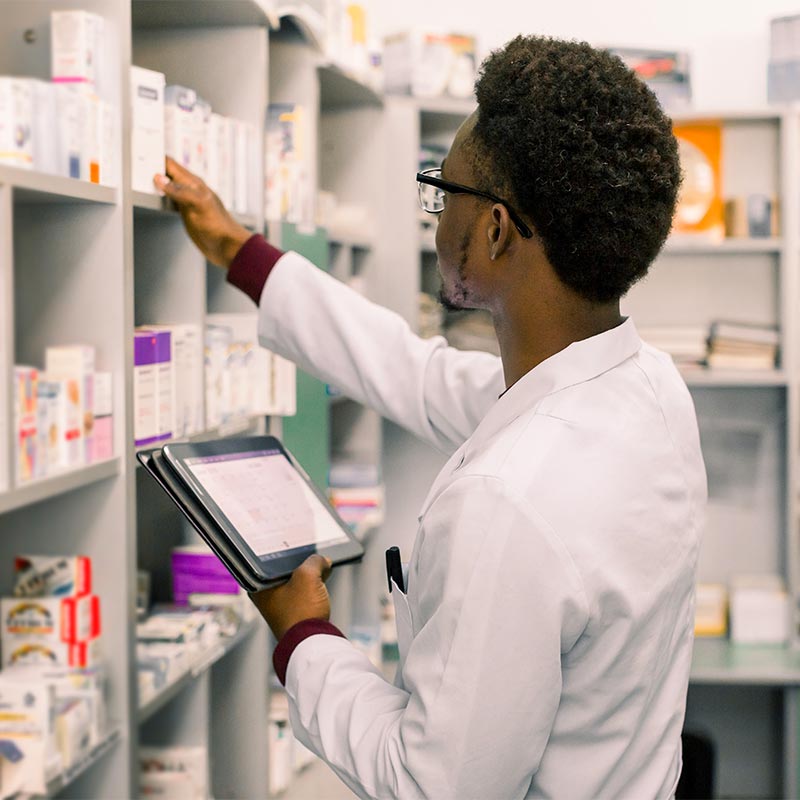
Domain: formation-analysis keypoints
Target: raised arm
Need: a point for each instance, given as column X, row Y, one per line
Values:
column 332, row 332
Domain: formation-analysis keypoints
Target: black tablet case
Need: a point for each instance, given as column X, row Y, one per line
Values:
column 153, row 461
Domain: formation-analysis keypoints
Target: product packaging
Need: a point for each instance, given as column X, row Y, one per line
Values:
column 16, row 122
column 103, row 417
column 428, row 64
column 759, row 610
column 26, row 380
column 76, row 363
column 76, row 48
column 144, row 388
column 45, row 144
column 216, row 353
column 195, row 569
column 179, row 125
column 147, row 128
column 70, row 130
column 47, row 425
column 52, row 576
column 165, row 386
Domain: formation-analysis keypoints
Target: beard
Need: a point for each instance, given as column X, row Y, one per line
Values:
column 456, row 299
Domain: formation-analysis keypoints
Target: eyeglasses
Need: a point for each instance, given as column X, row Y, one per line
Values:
column 432, row 190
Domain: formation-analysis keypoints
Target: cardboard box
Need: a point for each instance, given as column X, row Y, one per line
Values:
column 179, row 125
column 45, row 620
column 70, row 122
column 47, row 425
column 76, row 39
column 76, row 363
column 147, row 128
column 195, row 569
column 759, row 610
column 56, row 576
column 427, row 64
column 16, row 122
column 27, row 727
column 144, row 388
column 103, row 417
column 165, row 386
column 45, row 144
column 26, row 380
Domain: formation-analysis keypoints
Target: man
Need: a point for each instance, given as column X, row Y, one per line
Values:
column 547, row 631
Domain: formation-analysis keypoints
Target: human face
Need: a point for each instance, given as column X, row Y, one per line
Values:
column 455, row 231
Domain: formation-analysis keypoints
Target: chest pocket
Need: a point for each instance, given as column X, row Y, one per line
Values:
column 405, row 629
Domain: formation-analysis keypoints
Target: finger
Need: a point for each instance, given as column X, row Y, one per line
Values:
column 314, row 568
column 180, row 174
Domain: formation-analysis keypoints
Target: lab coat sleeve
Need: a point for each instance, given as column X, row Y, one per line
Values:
column 496, row 600
column 371, row 355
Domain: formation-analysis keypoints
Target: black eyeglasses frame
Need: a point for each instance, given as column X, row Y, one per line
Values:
column 457, row 188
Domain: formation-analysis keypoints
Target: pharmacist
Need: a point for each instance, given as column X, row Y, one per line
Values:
column 546, row 633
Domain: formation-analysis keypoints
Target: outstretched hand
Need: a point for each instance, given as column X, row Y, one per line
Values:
column 208, row 223
column 303, row 597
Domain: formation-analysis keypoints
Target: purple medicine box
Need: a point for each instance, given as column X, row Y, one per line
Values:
column 197, row 570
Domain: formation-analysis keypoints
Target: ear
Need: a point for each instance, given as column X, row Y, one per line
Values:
column 499, row 232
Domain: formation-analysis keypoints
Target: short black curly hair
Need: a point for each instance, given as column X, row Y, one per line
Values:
column 580, row 144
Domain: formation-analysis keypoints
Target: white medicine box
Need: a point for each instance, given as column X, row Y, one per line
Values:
column 147, row 130
column 16, row 122
column 75, row 47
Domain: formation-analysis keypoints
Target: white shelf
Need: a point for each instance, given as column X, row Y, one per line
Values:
column 769, row 114
column 208, row 659
column 349, row 239
column 148, row 203
column 232, row 428
column 60, row 782
column 38, row 187
column 718, row 661
column 732, row 246
column 734, row 377
column 198, row 13
column 446, row 106
column 45, row 488
column 338, row 89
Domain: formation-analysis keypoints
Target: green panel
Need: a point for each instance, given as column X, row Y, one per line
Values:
column 307, row 434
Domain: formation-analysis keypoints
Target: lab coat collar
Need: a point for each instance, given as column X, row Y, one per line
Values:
column 580, row 361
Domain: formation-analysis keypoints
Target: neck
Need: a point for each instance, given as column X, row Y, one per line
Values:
column 526, row 339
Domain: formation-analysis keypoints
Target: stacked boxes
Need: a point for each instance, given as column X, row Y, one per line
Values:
column 147, row 128
column 63, row 127
column 54, row 413
column 53, row 619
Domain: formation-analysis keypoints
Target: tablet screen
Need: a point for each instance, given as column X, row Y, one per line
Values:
column 266, row 501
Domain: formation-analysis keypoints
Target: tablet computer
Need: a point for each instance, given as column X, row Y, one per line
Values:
column 253, row 504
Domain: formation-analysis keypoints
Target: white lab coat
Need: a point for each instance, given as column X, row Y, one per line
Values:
column 546, row 635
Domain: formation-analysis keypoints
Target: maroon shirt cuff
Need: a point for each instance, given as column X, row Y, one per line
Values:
column 250, row 268
column 296, row 634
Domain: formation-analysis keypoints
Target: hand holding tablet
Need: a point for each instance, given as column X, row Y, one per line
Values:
column 253, row 505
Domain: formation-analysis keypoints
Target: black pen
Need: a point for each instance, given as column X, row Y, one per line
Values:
column 394, row 568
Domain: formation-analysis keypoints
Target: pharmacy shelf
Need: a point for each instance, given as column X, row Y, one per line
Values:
column 718, row 661
column 148, row 203
column 38, row 187
column 771, row 114
column 349, row 239
column 205, row 662
column 731, row 246
column 199, row 13
column 446, row 106
column 734, row 378
column 43, row 489
column 232, row 428
column 340, row 90
column 60, row 782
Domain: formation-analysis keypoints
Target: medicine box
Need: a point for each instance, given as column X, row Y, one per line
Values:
column 165, row 386
column 27, row 728
column 44, row 127
column 103, row 417
column 179, row 125
column 175, row 771
column 147, row 128
column 60, row 619
column 187, row 366
column 26, row 381
column 76, row 363
column 68, row 421
column 195, row 569
column 52, row 576
column 144, row 388
column 16, row 122
column 76, row 47
column 216, row 354
column 70, row 129
column 202, row 124
column 759, row 610
column 47, row 422
column 428, row 64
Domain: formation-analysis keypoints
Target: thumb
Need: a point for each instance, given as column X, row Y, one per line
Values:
column 182, row 194
column 314, row 568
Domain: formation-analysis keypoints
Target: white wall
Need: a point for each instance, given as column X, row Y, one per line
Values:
column 728, row 41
